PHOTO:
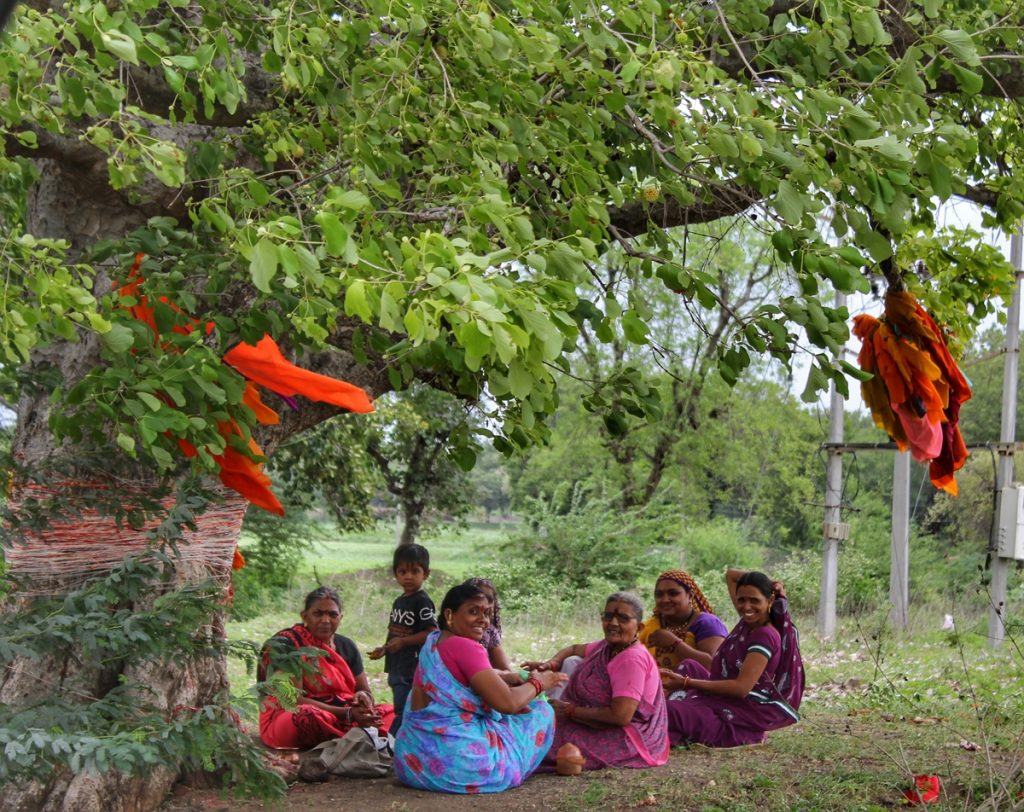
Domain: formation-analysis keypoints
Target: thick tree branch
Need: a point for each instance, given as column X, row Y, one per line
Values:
column 636, row 218
column 153, row 95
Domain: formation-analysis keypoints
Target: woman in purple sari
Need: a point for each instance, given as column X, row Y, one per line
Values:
column 613, row 708
column 756, row 679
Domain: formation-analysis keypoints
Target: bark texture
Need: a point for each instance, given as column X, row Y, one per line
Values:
column 72, row 201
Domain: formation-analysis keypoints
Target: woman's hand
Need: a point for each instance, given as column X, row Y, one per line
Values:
column 779, row 589
column 563, row 710
column 511, row 678
column 550, row 679
column 671, row 680
column 363, row 698
column 363, row 716
column 663, row 638
column 541, row 665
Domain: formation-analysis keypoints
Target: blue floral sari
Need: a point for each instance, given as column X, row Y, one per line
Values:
column 457, row 744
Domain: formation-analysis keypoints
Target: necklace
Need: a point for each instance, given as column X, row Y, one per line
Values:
column 681, row 628
column 618, row 648
column 666, row 655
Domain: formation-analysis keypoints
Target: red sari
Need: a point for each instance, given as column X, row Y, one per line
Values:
column 333, row 684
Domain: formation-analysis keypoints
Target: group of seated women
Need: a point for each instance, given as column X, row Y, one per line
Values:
column 676, row 678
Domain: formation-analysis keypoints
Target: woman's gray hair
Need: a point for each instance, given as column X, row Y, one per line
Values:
column 323, row 592
column 631, row 599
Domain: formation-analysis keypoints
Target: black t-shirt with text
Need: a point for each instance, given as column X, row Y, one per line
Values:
column 410, row 614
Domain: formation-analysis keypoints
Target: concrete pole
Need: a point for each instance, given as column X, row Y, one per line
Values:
column 1007, row 435
column 899, row 566
column 833, row 515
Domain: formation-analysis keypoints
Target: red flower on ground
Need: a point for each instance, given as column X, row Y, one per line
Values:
column 926, row 790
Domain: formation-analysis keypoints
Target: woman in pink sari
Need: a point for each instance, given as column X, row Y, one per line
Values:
column 613, row 708
column 334, row 693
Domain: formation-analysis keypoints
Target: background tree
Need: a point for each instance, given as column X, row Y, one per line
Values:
column 401, row 192
column 650, row 369
column 420, row 442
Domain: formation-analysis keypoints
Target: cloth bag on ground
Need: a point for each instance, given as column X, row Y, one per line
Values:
column 360, row 753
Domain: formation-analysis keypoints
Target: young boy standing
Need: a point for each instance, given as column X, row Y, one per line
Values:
column 412, row 619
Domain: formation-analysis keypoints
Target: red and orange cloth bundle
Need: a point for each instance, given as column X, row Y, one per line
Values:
column 262, row 364
column 917, row 388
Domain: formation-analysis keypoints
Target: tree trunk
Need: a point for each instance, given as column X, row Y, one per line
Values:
column 412, row 515
column 67, row 203
column 183, row 685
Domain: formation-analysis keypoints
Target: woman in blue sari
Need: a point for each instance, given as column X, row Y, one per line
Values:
column 465, row 729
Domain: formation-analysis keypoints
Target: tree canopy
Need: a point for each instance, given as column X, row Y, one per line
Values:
column 421, row 190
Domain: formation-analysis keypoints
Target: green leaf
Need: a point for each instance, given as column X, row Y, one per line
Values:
column 855, row 371
column 969, row 81
column 634, row 329
column 119, row 338
column 959, row 43
column 121, row 45
column 789, row 203
column 520, row 381
column 817, row 381
column 355, row 301
column 152, row 402
column 126, row 443
column 888, row 146
column 464, row 457
column 876, row 245
column 263, row 265
column 336, row 234
column 630, row 70
column 351, row 199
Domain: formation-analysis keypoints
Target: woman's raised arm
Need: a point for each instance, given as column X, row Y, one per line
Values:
column 732, row 577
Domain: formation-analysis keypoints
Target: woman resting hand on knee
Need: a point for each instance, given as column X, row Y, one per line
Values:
column 613, row 708
column 755, row 682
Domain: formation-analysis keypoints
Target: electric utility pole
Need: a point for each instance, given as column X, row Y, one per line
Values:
column 1007, row 434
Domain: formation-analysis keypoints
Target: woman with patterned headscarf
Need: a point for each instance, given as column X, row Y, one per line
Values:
column 492, row 636
column 683, row 626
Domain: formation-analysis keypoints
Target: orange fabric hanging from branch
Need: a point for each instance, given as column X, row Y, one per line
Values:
column 917, row 388
column 263, row 364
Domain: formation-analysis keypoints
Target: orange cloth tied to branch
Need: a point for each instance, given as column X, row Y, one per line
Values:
column 917, row 388
column 263, row 364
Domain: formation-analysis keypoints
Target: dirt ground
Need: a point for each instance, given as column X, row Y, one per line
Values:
column 540, row 792
column 830, row 761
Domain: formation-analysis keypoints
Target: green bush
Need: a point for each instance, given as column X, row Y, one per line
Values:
column 596, row 540
column 718, row 544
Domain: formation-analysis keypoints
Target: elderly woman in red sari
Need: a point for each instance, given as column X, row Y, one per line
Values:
column 613, row 708
column 333, row 693
column 756, row 679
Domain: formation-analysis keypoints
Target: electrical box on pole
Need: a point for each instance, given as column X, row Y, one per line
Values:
column 1010, row 533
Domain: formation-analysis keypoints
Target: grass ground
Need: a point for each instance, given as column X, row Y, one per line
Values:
column 880, row 708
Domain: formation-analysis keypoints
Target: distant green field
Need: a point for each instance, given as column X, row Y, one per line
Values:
column 452, row 552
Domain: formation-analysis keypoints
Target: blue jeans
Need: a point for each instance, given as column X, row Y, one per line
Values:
column 401, row 687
